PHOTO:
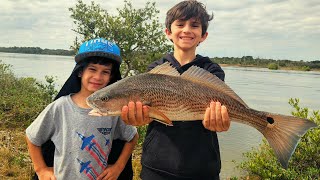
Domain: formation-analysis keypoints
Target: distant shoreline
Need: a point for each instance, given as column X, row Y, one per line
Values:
column 245, row 61
column 37, row 50
column 280, row 68
column 36, row 54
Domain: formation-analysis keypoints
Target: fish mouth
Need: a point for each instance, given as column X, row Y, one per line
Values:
column 97, row 112
column 92, row 104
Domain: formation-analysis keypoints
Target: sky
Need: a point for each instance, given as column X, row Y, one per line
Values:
column 276, row 29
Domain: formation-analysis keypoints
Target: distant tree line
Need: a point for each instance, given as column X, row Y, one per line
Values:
column 243, row 61
column 37, row 50
column 269, row 63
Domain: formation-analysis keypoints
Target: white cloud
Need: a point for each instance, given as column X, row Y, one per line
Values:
column 279, row 29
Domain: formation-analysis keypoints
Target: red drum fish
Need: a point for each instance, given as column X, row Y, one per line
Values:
column 172, row 96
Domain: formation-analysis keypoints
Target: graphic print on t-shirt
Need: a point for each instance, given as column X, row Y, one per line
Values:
column 87, row 168
column 98, row 152
column 105, row 132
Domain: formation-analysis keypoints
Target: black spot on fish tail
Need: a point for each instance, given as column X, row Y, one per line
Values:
column 270, row 120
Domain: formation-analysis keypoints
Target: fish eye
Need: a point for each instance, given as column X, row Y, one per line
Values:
column 105, row 98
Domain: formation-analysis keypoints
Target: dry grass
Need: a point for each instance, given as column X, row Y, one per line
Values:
column 136, row 165
column 15, row 161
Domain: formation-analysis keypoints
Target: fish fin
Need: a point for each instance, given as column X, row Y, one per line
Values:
column 159, row 116
column 283, row 134
column 204, row 77
column 166, row 69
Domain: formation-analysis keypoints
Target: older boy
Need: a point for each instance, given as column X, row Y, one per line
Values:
column 187, row 150
column 82, row 142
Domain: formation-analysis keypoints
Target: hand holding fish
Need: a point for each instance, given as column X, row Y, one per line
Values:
column 216, row 117
column 135, row 114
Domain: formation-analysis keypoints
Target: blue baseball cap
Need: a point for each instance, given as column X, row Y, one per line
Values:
column 99, row 47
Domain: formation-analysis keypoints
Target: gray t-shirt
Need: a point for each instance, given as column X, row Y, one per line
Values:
column 82, row 142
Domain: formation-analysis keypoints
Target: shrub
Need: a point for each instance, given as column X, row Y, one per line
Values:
column 142, row 130
column 306, row 68
column 22, row 99
column 305, row 162
column 273, row 66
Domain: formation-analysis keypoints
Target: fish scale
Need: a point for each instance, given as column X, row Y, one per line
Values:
column 172, row 96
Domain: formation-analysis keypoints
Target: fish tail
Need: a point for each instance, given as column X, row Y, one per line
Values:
column 283, row 134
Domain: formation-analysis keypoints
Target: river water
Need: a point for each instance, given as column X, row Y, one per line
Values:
column 261, row 89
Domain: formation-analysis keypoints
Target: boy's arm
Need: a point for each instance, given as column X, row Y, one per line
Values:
column 40, row 167
column 113, row 171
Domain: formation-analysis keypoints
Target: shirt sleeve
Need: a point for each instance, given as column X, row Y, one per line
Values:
column 123, row 131
column 42, row 128
column 154, row 64
column 216, row 70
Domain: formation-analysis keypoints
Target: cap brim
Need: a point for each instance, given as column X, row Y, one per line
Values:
column 81, row 56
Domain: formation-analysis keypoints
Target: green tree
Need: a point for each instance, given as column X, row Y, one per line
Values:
column 305, row 162
column 137, row 31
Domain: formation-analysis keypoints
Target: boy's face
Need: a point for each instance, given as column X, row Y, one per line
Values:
column 95, row 77
column 186, row 34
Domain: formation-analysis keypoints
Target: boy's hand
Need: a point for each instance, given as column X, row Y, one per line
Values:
column 135, row 114
column 46, row 174
column 216, row 118
column 112, row 172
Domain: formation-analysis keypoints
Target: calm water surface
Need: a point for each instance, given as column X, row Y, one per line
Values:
column 261, row 89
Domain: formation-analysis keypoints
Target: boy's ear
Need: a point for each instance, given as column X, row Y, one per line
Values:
column 204, row 37
column 168, row 33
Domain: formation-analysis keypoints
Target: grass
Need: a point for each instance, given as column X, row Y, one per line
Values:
column 14, row 157
column 136, row 165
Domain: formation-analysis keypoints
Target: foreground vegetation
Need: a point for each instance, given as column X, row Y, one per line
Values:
column 304, row 163
column 21, row 101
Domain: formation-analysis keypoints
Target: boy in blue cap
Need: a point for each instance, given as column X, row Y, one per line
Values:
column 82, row 142
column 190, row 149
